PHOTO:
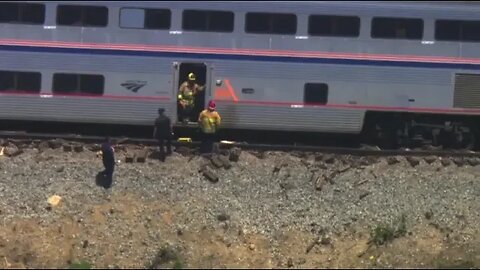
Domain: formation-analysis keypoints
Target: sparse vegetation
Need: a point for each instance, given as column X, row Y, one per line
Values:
column 80, row 265
column 443, row 263
column 164, row 256
column 385, row 233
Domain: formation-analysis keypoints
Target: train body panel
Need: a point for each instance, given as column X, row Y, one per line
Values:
column 295, row 81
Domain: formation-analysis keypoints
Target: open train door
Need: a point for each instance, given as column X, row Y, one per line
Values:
column 202, row 75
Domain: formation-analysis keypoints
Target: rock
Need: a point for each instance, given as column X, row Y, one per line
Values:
column 445, row 162
column 251, row 246
column 459, row 162
column 55, row 144
column 326, row 241
column 473, row 162
column 141, row 156
column 129, row 157
column 60, row 169
column 12, row 152
column 235, row 154
column 85, row 243
column 67, row 148
column 78, row 148
column 217, row 162
column 210, row 174
column 223, row 217
column 183, row 150
column 392, row 160
column 290, row 262
column 329, row 159
column 413, row 161
column 430, row 159
column 364, row 194
column 429, row 214
column 42, row 146
column 318, row 157
column 319, row 182
column 366, row 161
column 226, row 163
column 287, row 185
column 97, row 147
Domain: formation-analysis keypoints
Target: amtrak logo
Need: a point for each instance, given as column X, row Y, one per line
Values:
column 134, row 86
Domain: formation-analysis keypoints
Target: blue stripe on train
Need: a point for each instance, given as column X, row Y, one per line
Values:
column 210, row 56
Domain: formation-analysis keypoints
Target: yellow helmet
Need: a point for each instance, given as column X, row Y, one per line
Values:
column 191, row 77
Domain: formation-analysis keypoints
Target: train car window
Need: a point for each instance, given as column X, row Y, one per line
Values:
column 336, row 26
column 132, row 18
column 145, row 18
column 271, row 23
column 20, row 81
column 89, row 16
column 22, row 13
column 207, row 21
column 157, row 18
column 78, row 83
column 456, row 30
column 397, row 28
column 315, row 93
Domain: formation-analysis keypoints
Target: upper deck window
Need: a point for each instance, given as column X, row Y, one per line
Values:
column 145, row 18
column 96, row 16
column 207, row 20
column 456, row 30
column 397, row 28
column 336, row 26
column 22, row 13
column 271, row 23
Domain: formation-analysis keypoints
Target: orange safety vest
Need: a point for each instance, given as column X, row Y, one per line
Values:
column 209, row 121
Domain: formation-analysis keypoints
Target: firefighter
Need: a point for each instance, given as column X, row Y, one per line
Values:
column 186, row 97
column 163, row 133
column 209, row 121
column 108, row 158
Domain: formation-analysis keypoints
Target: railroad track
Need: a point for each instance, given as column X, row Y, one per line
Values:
column 363, row 151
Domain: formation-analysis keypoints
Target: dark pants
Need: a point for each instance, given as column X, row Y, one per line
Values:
column 186, row 113
column 207, row 142
column 161, row 143
column 108, row 173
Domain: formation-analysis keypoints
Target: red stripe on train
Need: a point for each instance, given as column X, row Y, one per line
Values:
column 259, row 52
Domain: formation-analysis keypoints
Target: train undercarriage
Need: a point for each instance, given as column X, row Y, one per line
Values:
column 397, row 130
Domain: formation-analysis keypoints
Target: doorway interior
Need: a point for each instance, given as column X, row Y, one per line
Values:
column 200, row 71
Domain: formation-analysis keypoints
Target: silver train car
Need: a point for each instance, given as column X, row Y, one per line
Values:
column 406, row 69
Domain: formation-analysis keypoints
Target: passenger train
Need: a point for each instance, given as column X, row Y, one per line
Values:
column 405, row 71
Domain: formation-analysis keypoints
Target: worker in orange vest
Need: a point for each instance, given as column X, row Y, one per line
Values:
column 209, row 121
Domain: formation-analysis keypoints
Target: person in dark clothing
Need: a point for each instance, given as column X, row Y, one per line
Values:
column 163, row 132
column 108, row 157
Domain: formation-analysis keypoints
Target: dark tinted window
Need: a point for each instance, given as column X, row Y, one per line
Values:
column 455, row 30
column 339, row 26
column 397, row 28
column 207, row 20
column 157, row 18
column 78, row 83
column 316, row 93
column 270, row 23
column 71, row 15
column 22, row 13
column 20, row 81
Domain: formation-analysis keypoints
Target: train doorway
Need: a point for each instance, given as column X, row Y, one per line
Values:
column 186, row 114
